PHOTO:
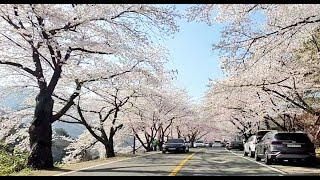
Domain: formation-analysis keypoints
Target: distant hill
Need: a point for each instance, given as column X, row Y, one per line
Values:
column 74, row 130
column 15, row 100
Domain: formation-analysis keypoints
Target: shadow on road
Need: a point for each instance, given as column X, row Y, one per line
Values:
column 299, row 164
column 59, row 169
column 132, row 169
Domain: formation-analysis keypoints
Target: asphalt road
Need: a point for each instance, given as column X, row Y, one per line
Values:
column 199, row 162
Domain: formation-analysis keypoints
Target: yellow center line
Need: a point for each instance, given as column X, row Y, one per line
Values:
column 176, row 170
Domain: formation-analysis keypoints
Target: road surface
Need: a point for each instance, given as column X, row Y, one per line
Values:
column 199, row 162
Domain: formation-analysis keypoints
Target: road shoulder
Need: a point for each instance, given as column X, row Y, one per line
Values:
column 74, row 167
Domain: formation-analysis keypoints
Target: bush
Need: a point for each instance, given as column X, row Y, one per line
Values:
column 12, row 163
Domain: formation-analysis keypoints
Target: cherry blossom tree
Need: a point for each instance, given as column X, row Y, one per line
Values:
column 50, row 48
column 101, row 110
column 270, row 54
column 285, row 89
column 258, row 32
column 157, row 114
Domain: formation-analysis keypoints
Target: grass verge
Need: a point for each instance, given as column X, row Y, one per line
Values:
column 13, row 163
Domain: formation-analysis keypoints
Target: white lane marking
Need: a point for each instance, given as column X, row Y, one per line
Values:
column 269, row 167
column 70, row 172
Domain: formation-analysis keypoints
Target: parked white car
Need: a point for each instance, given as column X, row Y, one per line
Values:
column 250, row 146
column 199, row 144
column 217, row 144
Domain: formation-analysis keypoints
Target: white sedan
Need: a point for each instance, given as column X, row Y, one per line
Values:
column 217, row 144
column 198, row 144
column 250, row 146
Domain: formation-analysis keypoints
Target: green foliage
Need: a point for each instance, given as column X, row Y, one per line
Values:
column 12, row 163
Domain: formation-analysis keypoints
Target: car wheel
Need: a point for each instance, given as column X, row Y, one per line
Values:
column 245, row 153
column 163, row 152
column 267, row 161
column 256, row 157
column 252, row 154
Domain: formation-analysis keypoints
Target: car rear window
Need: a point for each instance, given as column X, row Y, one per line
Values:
column 262, row 133
column 298, row 137
column 199, row 142
column 175, row 141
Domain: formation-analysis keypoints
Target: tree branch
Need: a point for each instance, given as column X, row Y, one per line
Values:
column 69, row 103
column 20, row 66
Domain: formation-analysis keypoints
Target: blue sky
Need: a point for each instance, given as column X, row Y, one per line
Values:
column 192, row 55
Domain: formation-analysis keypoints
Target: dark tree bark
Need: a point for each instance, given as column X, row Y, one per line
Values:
column 40, row 133
column 147, row 145
column 110, row 148
column 267, row 124
column 109, row 142
column 161, row 142
column 179, row 132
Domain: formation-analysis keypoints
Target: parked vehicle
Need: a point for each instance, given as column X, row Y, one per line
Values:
column 175, row 145
column 224, row 143
column 235, row 145
column 250, row 144
column 217, row 144
column 199, row 144
column 210, row 144
column 189, row 144
column 261, row 133
column 276, row 146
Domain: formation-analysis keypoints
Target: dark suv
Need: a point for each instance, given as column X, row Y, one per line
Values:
column 235, row 145
column 275, row 146
column 175, row 145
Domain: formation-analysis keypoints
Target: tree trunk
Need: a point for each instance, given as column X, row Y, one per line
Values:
column 161, row 145
column 110, row 149
column 161, row 142
column 40, row 133
column 192, row 143
column 178, row 132
column 192, row 139
column 266, row 122
column 149, row 147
